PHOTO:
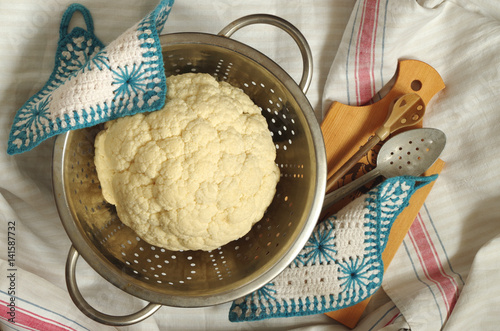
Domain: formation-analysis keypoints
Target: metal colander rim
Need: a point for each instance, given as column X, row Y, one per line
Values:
column 127, row 283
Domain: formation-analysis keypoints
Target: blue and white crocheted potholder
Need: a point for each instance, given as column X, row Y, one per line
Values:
column 91, row 83
column 341, row 264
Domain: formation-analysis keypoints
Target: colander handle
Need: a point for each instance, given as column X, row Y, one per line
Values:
column 90, row 311
column 286, row 26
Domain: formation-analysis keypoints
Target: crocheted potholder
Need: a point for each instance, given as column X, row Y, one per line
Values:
column 341, row 264
column 91, row 83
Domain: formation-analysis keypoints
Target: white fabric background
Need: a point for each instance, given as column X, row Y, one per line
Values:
column 459, row 38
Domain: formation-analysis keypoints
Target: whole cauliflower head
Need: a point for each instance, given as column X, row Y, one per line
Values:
column 194, row 175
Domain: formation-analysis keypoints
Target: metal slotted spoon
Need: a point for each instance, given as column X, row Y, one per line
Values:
column 407, row 154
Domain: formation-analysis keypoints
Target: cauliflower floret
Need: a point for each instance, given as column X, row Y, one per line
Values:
column 194, row 175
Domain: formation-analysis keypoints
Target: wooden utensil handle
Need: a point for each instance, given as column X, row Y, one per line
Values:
column 346, row 127
column 352, row 161
column 408, row 110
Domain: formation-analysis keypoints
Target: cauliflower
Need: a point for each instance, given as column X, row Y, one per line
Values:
column 194, row 175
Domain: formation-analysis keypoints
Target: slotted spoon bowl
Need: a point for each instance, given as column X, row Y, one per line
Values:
column 406, row 154
column 198, row 278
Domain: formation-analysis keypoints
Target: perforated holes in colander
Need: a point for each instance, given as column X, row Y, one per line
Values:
column 222, row 70
column 180, row 65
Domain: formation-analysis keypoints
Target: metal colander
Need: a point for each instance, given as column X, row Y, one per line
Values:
column 199, row 278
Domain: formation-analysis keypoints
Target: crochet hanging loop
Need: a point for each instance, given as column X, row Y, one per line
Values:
column 65, row 103
column 68, row 15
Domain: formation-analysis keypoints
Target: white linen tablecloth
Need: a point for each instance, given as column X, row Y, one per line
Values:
column 445, row 273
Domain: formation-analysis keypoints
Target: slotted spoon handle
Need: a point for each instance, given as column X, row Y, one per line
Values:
column 407, row 110
column 337, row 195
column 346, row 127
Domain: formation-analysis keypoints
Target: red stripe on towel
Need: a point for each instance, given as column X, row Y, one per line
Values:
column 28, row 319
column 14, row 326
column 365, row 52
column 431, row 263
column 392, row 319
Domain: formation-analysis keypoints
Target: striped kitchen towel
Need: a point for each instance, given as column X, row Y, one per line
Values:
column 461, row 40
column 24, row 307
